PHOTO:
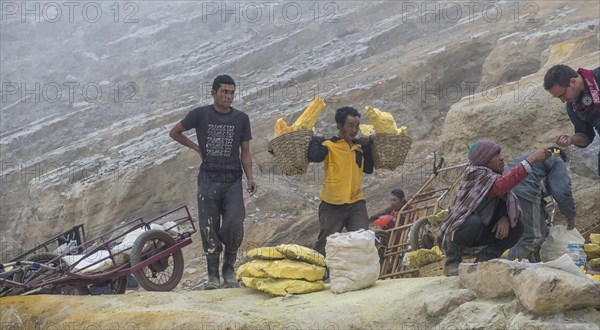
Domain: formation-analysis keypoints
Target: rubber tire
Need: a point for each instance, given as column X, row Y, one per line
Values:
column 116, row 286
column 137, row 254
column 45, row 257
column 420, row 235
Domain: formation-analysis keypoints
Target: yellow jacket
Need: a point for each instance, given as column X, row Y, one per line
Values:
column 343, row 168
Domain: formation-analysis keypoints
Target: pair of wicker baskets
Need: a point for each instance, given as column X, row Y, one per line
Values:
column 291, row 151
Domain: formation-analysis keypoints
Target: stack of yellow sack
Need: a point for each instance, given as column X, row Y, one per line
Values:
column 383, row 123
column 592, row 251
column 283, row 269
column 306, row 121
column 422, row 257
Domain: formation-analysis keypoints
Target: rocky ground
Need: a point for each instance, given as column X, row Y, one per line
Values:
column 494, row 295
column 104, row 161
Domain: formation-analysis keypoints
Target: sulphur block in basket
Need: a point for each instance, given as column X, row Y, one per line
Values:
column 383, row 122
column 281, row 127
column 309, row 117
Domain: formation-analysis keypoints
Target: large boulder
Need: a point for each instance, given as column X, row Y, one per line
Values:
column 476, row 315
column 545, row 290
column 440, row 303
column 488, row 279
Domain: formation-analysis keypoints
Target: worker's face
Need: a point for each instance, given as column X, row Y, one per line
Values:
column 350, row 128
column 566, row 94
column 496, row 164
column 223, row 97
column 396, row 202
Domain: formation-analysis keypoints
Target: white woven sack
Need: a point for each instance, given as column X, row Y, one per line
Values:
column 352, row 260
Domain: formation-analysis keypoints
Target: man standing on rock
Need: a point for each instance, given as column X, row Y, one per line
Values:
column 551, row 177
column 580, row 91
column 345, row 159
column 224, row 138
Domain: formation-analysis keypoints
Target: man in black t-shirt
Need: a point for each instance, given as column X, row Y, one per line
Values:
column 580, row 91
column 224, row 138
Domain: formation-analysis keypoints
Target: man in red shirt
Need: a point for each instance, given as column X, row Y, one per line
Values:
column 486, row 213
column 387, row 219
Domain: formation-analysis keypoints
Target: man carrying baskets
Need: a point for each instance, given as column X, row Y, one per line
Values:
column 224, row 138
column 345, row 160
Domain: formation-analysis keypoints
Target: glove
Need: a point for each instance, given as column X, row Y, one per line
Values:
column 570, row 224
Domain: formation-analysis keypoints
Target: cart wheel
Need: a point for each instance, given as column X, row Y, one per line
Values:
column 420, row 235
column 381, row 246
column 164, row 274
column 69, row 290
column 23, row 277
column 114, row 286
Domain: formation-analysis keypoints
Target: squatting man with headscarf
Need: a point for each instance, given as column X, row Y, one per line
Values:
column 486, row 213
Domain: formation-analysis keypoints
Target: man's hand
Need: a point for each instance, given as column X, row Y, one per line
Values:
column 501, row 227
column 563, row 141
column 539, row 156
column 252, row 187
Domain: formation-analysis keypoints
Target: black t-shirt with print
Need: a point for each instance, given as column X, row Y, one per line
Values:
column 219, row 137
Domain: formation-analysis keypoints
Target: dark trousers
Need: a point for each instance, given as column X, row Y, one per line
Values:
column 221, row 214
column 473, row 232
column 334, row 218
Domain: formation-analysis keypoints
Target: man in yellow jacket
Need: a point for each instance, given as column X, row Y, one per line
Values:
column 345, row 160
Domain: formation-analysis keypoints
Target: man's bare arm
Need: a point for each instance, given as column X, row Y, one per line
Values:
column 176, row 134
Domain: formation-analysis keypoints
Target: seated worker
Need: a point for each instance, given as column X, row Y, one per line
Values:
column 551, row 177
column 387, row 219
column 486, row 212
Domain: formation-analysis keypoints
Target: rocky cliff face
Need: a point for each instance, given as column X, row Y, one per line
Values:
column 87, row 100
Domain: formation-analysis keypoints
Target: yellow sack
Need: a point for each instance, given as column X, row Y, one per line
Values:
column 594, row 263
column 296, row 270
column 422, row 257
column 308, row 118
column 595, row 238
column 289, row 269
column 254, row 268
column 297, row 252
column 437, row 218
column 383, row 122
column 267, row 253
column 592, row 250
column 281, row 287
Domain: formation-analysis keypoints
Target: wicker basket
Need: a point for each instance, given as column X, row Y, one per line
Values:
column 389, row 150
column 291, row 151
column 434, row 269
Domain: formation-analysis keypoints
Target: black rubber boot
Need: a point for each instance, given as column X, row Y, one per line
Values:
column 490, row 252
column 453, row 259
column 212, row 265
column 229, row 280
